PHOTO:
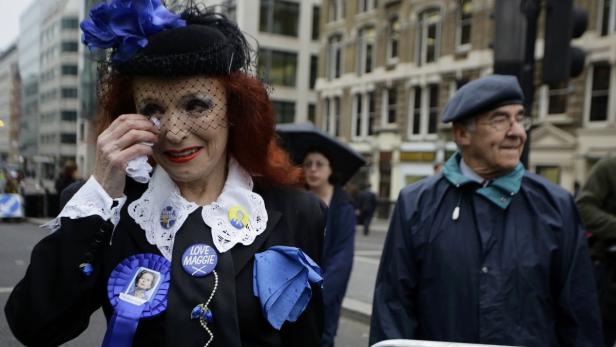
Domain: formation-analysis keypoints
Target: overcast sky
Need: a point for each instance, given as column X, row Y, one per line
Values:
column 10, row 11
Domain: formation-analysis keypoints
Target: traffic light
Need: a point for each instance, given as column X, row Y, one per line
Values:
column 509, row 41
column 563, row 22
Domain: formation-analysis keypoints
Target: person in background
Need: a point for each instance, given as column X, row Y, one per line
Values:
column 339, row 236
column 597, row 204
column 486, row 252
column 366, row 204
column 67, row 177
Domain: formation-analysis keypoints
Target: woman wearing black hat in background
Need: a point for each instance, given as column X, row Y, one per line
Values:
column 339, row 235
column 219, row 214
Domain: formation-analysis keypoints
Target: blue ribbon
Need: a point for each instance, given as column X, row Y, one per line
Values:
column 123, row 324
column 281, row 279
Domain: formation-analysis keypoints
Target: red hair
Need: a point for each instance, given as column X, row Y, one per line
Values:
column 252, row 135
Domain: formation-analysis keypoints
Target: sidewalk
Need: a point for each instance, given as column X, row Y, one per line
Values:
column 357, row 304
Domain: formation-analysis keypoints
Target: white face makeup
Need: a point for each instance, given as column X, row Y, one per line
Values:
column 193, row 121
column 183, row 105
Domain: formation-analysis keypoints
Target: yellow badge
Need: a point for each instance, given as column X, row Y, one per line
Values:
column 238, row 217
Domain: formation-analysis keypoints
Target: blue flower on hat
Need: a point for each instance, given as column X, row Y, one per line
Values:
column 126, row 25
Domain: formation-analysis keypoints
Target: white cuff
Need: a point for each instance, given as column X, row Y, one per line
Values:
column 91, row 199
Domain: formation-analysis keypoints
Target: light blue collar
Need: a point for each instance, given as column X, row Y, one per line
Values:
column 499, row 191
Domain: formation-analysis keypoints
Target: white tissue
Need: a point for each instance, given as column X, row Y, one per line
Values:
column 139, row 169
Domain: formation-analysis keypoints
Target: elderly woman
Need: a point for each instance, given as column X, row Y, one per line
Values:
column 221, row 218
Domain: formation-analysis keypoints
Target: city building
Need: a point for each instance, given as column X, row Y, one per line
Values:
column 285, row 34
column 387, row 68
column 29, row 62
column 58, row 87
column 10, row 92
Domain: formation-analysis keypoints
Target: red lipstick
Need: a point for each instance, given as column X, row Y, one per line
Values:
column 182, row 155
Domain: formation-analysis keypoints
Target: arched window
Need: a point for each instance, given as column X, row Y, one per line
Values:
column 465, row 19
column 366, row 50
column 393, row 32
column 429, row 35
column 335, row 56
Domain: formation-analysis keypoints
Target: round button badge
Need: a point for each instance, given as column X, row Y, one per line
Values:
column 168, row 217
column 238, row 217
column 199, row 260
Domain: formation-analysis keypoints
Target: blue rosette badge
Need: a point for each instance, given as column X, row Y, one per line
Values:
column 137, row 288
column 282, row 277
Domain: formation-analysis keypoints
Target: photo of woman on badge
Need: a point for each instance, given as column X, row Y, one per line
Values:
column 187, row 172
column 144, row 281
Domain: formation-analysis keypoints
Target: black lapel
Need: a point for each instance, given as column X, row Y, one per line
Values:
column 242, row 254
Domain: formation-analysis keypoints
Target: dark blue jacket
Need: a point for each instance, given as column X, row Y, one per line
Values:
column 514, row 276
column 337, row 259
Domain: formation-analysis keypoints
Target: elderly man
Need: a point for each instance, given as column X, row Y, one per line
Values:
column 485, row 252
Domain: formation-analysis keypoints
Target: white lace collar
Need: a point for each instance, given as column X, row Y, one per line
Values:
column 237, row 216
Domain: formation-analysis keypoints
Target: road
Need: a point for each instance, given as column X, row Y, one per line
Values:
column 17, row 240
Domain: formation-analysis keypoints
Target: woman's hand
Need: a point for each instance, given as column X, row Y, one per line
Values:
column 121, row 142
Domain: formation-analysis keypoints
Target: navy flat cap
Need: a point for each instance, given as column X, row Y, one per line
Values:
column 482, row 95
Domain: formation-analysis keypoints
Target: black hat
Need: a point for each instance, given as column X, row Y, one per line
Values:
column 482, row 95
column 148, row 39
column 209, row 44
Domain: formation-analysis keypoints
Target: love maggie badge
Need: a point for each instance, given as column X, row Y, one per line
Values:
column 199, row 260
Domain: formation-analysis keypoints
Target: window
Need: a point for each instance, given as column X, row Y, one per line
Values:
column 285, row 111
column 336, row 10
column 607, row 16
column 277, row 67
column 69, row 93
column 70, row 70
column 365, row 5
column 433, row 110
column 312, row 113
column 364, row 113
column 70, row 139
column 394, row 37
column 389, row 105
column 70, row 23
column 424, row 110
column 416, row 123
column 552, row 173
column 335, row 56
column 557, row 100
column 314, row 68
column 429, row 35
column 82, row 131
column 279, row 17
column 465, row 18
column 69, row 46
column 69, row 116
column 332, row 115
column 316, row 21
column 599, row 93
column 365, row 44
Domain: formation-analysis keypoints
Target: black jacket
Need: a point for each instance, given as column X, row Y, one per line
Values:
column 54, row 301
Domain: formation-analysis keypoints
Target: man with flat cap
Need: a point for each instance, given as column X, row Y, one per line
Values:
column 485, row 252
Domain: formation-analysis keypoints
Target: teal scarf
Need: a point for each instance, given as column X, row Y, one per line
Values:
column 499, row 191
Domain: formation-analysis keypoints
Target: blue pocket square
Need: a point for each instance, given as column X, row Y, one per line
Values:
column 281, row 279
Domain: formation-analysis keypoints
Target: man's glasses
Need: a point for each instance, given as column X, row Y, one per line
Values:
column 504, row 123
